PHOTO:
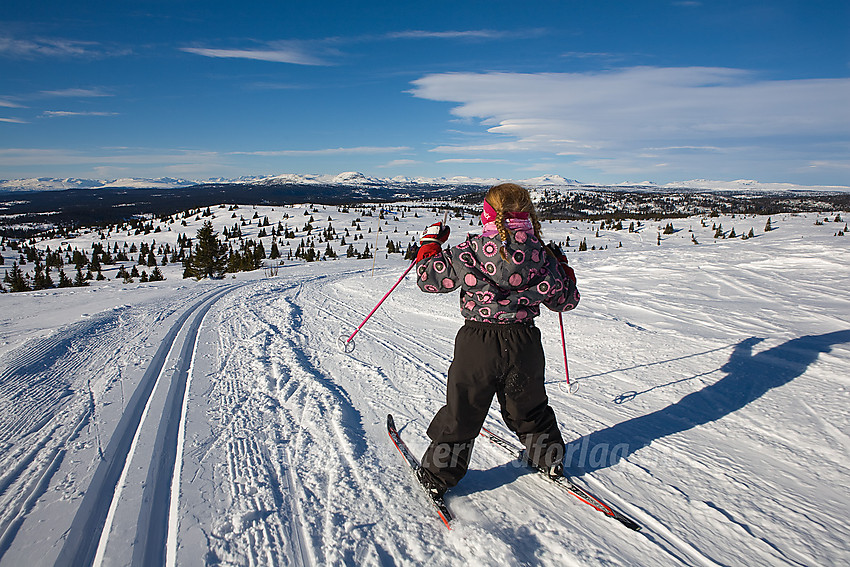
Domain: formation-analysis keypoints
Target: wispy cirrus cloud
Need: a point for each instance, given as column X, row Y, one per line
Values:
column 76, row 93
column 17, row 157
column 472, row 160
column 327, row 151
column 14, row 120
column 400, row 162
column 324, row 52
column 69, row 113
column 646, row 118
column 465, row 34
column 295, row 53
column 5, row 103
column 31, row 48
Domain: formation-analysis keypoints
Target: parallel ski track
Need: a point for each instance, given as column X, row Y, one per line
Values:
column 84, row 534
column 279, row 412
column 152, row 528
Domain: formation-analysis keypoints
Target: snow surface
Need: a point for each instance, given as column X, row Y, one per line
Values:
column 712, row 408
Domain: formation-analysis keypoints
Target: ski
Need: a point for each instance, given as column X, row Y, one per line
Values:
column 438, row 502
column 564, row 482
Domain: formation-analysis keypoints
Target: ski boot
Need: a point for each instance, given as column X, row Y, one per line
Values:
column 432, row 486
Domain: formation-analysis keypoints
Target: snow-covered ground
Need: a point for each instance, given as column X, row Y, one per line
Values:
column 220, row 423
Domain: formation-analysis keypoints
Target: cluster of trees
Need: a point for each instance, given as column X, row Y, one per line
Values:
column 87, row 267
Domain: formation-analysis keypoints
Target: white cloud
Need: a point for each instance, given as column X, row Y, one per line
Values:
column 280, row 52
column 68, row 113
column 328, row 151
column 472, row 160
column 462, row 34
column 10, row 104
column 667, row 115
column 77, row 93
column 14, row 120
column 830, row 164
column 48, row 47
column 16, row 157
column 400, row 162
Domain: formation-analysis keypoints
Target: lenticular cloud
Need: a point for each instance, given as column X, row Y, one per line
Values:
column 621, row 113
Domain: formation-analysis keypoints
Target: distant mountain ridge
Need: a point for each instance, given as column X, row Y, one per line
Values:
column 354, row 179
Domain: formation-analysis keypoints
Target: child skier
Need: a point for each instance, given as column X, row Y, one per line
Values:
column 504, row 275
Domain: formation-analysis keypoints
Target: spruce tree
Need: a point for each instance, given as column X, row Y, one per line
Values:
column 64, row 280
column 16, row 280
column 79, row 279
column 209, row 259
column 40, row 279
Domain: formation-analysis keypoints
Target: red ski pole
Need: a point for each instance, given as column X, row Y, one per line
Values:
column 571, row 388
column 349, row 341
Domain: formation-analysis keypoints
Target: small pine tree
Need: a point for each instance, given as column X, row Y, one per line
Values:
column 210, row 255
column 767, row 226
column 64, row 280
column 16, row 280
column 79, row 279
column 41, row 279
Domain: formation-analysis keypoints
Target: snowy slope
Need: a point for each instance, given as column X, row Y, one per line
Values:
column 712, row 408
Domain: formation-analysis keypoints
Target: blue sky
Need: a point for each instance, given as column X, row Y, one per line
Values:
column 599, row 91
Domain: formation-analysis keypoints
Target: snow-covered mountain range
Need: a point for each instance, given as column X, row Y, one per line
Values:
column 355, row 179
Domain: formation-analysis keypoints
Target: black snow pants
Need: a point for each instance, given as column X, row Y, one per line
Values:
column 493, row 359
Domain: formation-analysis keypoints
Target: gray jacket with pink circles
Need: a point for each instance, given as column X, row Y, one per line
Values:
column 494, row 290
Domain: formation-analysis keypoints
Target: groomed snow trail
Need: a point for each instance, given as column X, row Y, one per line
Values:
column 712, row 410
column 85, row 531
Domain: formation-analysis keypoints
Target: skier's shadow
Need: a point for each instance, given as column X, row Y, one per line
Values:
column 748, row 378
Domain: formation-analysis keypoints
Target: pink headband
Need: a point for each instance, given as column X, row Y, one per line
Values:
column 489, row 214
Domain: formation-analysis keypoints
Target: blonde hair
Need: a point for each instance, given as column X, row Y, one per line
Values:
column 511, row 198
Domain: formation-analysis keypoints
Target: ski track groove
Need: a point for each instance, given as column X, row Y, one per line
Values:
column 46, row 403
column 320, row 413
column 84, row 534
column 152, row 529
